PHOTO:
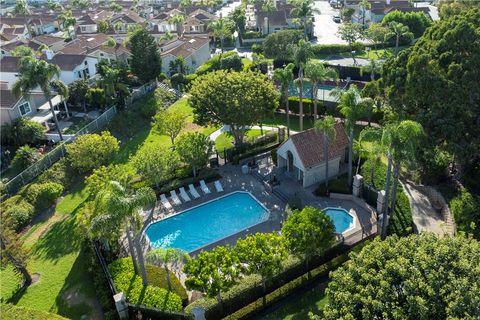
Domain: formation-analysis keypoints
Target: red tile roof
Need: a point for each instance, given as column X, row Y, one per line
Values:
column 310, row 147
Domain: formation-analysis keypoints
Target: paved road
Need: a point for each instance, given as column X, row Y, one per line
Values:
column 224, row 11
column 325, row 29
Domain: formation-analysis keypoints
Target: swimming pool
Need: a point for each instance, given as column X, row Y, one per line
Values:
column 342, row 220
column 207, row 223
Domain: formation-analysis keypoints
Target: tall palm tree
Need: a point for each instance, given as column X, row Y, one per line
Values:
column 352, row 106
column 166, row 257
column 67, row 20
column 21, row 8
column 122, row 204
column 301, row 53
column 372, row 150
column 407, row 136
column 316, row 72
column 398, row 30
column 39, row 73
column 222, row 28
column 285, row 77
column 268, row 7
column 365, row 5
column 373, row 67
column 326, row 126
column 178, row 21
column 304, row 12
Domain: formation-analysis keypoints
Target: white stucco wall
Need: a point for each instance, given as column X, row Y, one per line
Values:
column 9, row 78
column 317, row 174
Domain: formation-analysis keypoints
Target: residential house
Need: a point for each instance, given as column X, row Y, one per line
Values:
column 8, row 71
column 14, row 33
column 52, row 42
column 303, row 157
column 86, row 24
column 270, row 22
column 194, row 49
column 95, row 46
column 198, row 22
column 6, row 49
column 74, row 66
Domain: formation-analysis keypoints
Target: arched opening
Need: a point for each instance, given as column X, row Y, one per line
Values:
column 289, row 161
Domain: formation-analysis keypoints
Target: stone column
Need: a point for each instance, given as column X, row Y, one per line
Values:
column 381, row 202
column 121, row 305
column 357, row 185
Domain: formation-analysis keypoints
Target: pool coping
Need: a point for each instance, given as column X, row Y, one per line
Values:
column 351, row 215
column 267, row 217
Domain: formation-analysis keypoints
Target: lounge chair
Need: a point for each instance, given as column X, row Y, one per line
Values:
column 204, row 187
column 165, row 202
column 218, row 186
column 174, row 197
column 184, row 195
column 193, row 191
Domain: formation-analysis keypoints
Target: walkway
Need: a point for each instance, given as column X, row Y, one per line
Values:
column 425, row 216
column 214, row 135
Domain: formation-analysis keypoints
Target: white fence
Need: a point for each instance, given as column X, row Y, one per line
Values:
column 57, row 153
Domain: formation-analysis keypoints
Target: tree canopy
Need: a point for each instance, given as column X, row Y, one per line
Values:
column 146, row 62
column 417, row 22
column 237, row 99
column 194, row 148
column 417, row 277
column 437, row 83
column 278, row 45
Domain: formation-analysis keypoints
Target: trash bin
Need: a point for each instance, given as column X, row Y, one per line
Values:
column 245, row 169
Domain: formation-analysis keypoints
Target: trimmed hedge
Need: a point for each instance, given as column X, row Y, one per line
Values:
column 401, row 222
column 252, row 35
column 325, row 49
column 41, row 195
column 338, row 185
column 60, row 172
column 9, row 311
column 183, row 180
column 131, row 285
column 17, row 211
column 294, row 105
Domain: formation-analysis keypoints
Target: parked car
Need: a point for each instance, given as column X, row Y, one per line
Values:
column 337, row 19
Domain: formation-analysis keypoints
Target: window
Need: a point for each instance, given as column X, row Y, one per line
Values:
column 84, row 29
column 24, row 108
column 85, row 63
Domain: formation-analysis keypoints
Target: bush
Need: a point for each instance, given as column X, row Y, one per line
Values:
column 131, row 285
column 225, row 61
column 330, row 49
column 25, row 157
column 90, row 151
column 434, row 163
column 466, row 211
column 60, row 172
column 338, row 185
column 257, row 48
column 401, row 222
column 17, row 211
column 252, row 35
column 278, row 45
column 183, row 177
column 22, row 131
column 148, row 106
column 41, row 195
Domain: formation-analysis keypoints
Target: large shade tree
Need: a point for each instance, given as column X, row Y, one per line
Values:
column 236, row 99
column 39, row 73
column 417, row 277
column 145, row 61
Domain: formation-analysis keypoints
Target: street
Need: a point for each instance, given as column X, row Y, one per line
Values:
column 325, row 29
column 225, row 10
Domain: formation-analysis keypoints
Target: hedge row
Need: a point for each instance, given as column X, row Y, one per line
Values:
column 338, row 185
column 131, row 285
column 401, row 222
column 325, row 49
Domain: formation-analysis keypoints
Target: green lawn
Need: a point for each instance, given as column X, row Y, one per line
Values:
column 225, row 140
column 298, row 307
column 281, row 120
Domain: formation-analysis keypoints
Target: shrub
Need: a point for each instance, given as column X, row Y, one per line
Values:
column 90, row 151
column 330, row 49
column 466, row 211
column 17, row 211
column 225, row 61
column 22, row 131
column 257, row 48
column 338, row 185
column 148, row 107
column 41, row 195
column 401, row 222
column 60, row 172
column 131, row 285
column 25, row 157
column 252, row 35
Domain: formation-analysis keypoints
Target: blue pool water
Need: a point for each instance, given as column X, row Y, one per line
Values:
column 341, row 219
column 207, row 223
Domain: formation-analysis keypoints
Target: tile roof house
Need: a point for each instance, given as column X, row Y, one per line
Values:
column 95, row 45
column 6, row 49
column 195, row 49
column 52, row 42
column 303, row 156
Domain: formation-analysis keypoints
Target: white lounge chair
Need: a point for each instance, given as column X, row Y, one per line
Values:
column 184, row 195
column 174, row 197
column 218, row 186
column 165, row 202
column 193, row 191
column 204, row 187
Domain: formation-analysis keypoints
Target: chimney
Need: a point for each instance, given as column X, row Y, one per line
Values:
column 265, row 25
column 49, row 54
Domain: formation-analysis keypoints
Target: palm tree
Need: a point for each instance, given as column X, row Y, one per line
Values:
column 304, row 12
column 111, row 83
column 166, row 257
column 221, row 28
column 301, row 53
column 184, row 4
column 285, row 77
column 365, row 5
column 407, row 136
column 326, row 126
column 67, row 20
column 122, row 205
column 39, row 73
column 268, row 7
column 372, row 151
column 178, row 21
column 373, row 67
column 397, row 31
column 353, row 107
column 316, row 73
column 21, row 8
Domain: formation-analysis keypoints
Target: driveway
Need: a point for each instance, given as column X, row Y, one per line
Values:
column 325, row 29
column 225, row 10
